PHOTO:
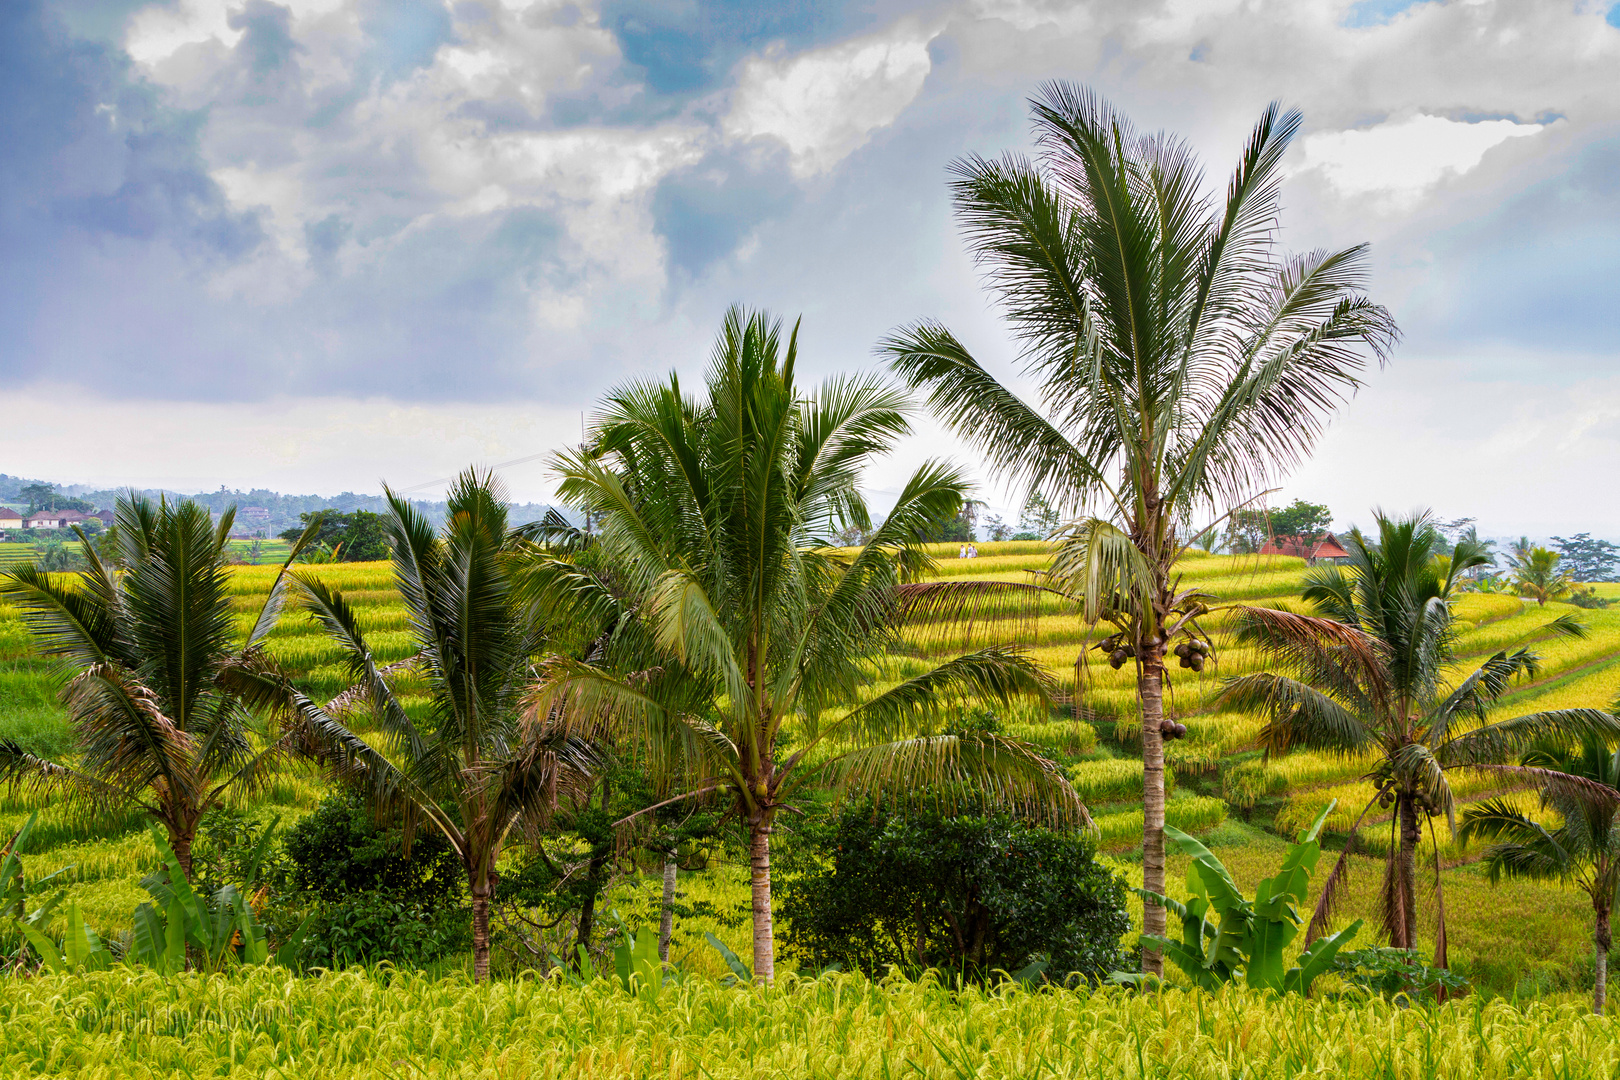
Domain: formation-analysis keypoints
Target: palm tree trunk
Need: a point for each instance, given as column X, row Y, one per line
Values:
column 666, row 911
column 480, row 912
column 1150, row 687
column 1404, row 918
column 759, row 865
column 180, row 841
column 1600, row 963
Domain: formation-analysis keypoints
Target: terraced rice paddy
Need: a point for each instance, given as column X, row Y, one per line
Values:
column 1221, row 785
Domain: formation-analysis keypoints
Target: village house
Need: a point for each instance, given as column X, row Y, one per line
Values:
column 1321, row 549
column 55, row 519
column 10, row 519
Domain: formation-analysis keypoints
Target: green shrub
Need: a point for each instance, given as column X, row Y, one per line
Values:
column 968, row 893
column 365, row 900
column 339, row 852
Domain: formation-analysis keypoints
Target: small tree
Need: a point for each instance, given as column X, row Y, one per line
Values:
column 471, row 766
column 965, row 892
column 1538, row 575
column 1038, row 517
column 1587, row 559
column 1583, row 850
column 155, row 696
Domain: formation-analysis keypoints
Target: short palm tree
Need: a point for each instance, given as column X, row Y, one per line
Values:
column 1369, row 674
column 1536, row 574
column 1183, row 363
column 472, row 767
column 150, row 642
column 717, row 516
column 1583, row 849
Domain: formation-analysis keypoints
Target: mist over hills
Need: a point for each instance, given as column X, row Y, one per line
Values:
column 283, row 509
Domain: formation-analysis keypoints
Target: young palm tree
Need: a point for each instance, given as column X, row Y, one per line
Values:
column 1536, row 574
column 472, row 767
column 150, row 641
column 717, row 516
column 1369, row 674
column 1584, row 848
column 1183, row 363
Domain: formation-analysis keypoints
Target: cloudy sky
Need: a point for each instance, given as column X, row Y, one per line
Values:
column 314, row 244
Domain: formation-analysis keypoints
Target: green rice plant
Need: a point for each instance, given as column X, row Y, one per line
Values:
column 1190, row 813
column 1478, row 609
column 1249, row 781
column 1112, row 780
column 358, row 1023
column 1063, row 736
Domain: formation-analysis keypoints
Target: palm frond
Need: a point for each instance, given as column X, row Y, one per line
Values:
column 1001, row 674
column 1099, row 565
column 1496, row 743
column 65, row 621
column 1299, row 715
column 953, row 771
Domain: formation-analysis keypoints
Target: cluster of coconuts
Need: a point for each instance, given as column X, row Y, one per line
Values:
column 1193, row 653
column 1421, row 800
column 1121, row 653
column 1172, row 730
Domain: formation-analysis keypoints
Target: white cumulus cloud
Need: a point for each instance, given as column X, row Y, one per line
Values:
column 1401, row 159
column 827, row 103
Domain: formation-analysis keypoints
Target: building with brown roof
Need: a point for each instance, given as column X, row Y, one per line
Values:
column 1325, row 548
column 54, row 519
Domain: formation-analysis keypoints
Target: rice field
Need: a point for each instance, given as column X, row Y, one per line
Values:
column 1222, row 787
column 387, row 1024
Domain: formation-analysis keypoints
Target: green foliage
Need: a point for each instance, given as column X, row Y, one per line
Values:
column 360, row 536
column 1248, row 529
column 1587, row 559
column 339, row 852
column 1396, row 973
column 1245, row 938
column 968, row 893
column 365, row 898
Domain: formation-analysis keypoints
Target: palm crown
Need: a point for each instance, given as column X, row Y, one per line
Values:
column 1370, row 674
column 470, row 766
column 150, row 641
column 1183, row 362
column 736, row 616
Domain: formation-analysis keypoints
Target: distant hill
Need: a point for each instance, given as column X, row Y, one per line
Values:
column 280, row 511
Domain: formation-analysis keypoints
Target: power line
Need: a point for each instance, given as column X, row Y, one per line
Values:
column 498, row 465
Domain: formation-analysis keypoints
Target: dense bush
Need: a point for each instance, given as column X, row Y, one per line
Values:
column 340, row 851
column 366, row 900
column 972, row 893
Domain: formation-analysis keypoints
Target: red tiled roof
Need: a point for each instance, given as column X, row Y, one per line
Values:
column 1325, row 546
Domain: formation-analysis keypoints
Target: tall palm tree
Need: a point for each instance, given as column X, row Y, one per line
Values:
column 472, row 767
column 1183, row 363
column 1369, row 674
column 718, row 515
column 1536, row 574
column 149, row 639
column 1584, row 848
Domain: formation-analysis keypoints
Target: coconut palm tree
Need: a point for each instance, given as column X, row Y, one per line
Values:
column 1583, row 849
column 149, row 640
column 472, row 766
column 1369, row 673
column 718, row 516
column 1183, row 363
column 1536, row 574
